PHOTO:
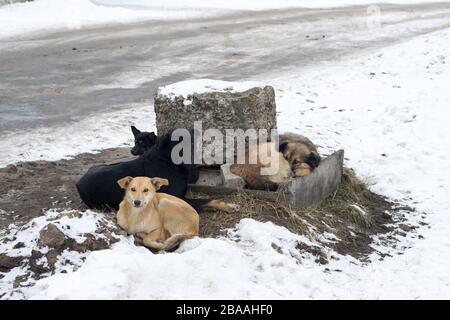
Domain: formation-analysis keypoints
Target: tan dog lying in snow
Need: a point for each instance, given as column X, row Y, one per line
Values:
column 158, row 220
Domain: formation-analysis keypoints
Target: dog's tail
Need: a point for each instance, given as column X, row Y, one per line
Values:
column 211, row 204
column 169, row 243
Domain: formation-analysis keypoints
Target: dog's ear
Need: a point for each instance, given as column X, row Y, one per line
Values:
column 153, row 138
column 135, row 131
column 283, row 147
column 124, row 182
column 158, row 182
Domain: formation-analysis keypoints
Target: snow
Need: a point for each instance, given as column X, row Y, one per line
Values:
column 31, row 18
column 88, row 135
column 390, row 114
column 70, row 222
column 393, row 102
column 388, row 109
column 29, row 233
column 188, row 87
column 213, row 268
column 25, row 19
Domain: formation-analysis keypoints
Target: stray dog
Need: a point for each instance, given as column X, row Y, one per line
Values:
column 98, row 187
column 143, row 141
column 159, row 220
column 300, row 152
column 251, row 173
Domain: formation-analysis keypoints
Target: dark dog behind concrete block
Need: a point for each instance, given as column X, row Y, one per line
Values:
column 143, row 141
column 98, row 188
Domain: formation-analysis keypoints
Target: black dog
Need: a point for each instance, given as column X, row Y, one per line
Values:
column 98, row 188
column 143, row 141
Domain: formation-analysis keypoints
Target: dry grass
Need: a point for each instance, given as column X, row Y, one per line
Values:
column 348, row 214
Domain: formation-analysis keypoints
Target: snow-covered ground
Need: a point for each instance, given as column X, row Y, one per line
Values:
column 22, row 242
column 25, row 19
column 87, row 135
column 388, row 109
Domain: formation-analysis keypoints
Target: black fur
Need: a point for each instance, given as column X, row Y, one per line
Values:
column 143, row 141
column 313, row 159
column 282, row 147
column 98, row 188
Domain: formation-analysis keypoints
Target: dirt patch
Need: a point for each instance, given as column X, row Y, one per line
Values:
column 55, row 243
column 345, row 222
column 29, row 188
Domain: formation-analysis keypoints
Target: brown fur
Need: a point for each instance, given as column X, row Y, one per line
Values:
column 222, row 206
column 251, row 173
column 162, row 221
column 300, row 152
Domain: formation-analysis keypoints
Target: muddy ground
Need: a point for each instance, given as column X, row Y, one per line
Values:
column 30, row 188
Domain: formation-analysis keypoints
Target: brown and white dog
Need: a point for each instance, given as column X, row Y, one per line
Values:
column 159, row 221
column 300, row 152
column 296, row 156
column 253, row 173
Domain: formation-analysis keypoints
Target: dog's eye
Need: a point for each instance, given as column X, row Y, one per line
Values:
column 145, row 190
column 133, row 189
column 296, row 161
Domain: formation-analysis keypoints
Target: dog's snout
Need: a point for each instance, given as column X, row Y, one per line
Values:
column 137, row 203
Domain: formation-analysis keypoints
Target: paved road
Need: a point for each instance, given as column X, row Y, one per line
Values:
column 62, row 76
